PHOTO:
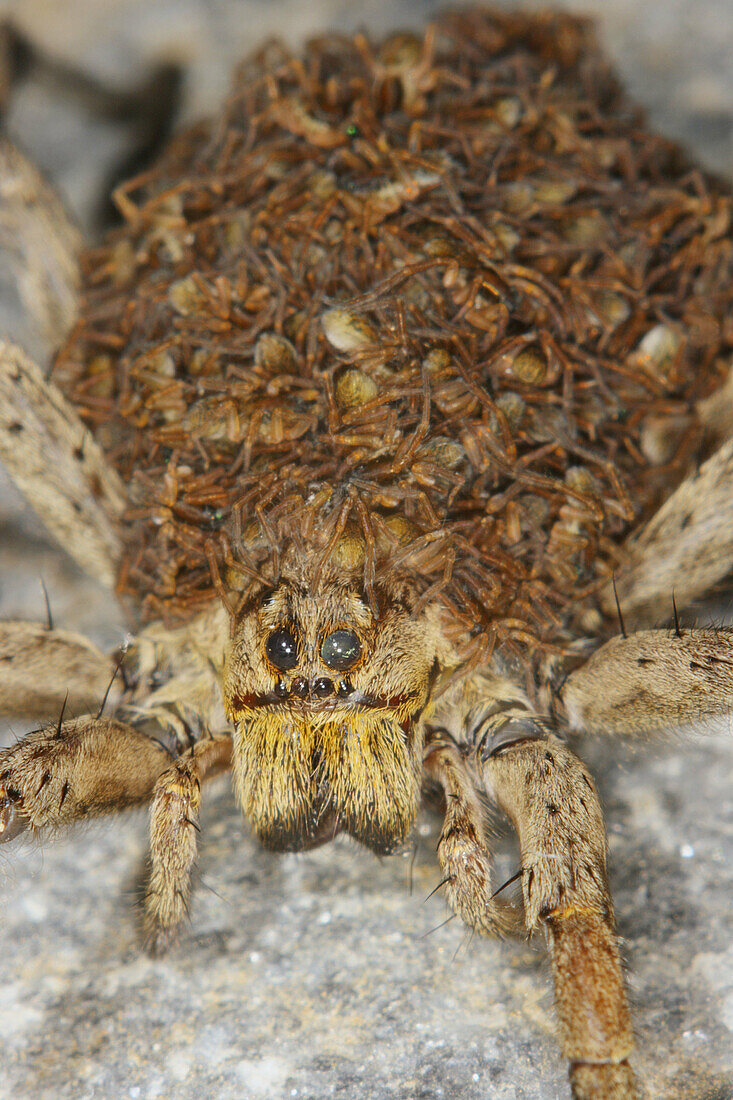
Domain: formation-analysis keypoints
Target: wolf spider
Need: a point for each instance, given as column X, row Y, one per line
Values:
column 264, row 689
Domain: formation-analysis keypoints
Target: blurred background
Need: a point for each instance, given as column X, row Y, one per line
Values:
column 310, row 976
column 675, row 56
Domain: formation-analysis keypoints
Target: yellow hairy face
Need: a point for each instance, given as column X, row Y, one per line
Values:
column 325, row 699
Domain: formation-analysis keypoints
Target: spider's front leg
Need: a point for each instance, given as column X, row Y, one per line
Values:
column 463, row 851
column 548, row 794
column 87, row 766
column 552, row 802
column 68, row 769
column 90, row 766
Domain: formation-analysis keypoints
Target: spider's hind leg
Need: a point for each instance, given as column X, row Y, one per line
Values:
column 39, row 257
column 684, row 549
column 660, row 680
column 44, row 445
column 58, row 466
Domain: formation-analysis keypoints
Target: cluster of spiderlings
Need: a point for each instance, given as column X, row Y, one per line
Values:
column 409, row 306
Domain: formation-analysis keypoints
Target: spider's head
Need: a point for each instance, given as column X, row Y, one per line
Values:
column 325, row 699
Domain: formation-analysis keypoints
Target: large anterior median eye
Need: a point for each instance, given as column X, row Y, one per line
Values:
column 282, row 649
column 341, row 650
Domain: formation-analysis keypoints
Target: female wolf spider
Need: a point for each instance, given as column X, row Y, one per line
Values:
column 353, row 407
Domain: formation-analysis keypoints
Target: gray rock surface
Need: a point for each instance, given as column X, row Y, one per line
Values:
column 314, row 976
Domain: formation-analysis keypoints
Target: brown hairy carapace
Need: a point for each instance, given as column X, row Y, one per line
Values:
column 405, row 309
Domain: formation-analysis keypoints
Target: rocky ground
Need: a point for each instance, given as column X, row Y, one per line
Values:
column 327, row 974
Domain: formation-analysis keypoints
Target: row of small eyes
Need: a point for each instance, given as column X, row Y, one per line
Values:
column 339, row 650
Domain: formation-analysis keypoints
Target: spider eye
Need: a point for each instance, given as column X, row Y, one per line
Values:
column 341, row 650
column 282, row 649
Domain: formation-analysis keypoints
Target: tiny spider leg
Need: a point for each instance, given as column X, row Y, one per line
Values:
column 147, row 110
column 173, row 828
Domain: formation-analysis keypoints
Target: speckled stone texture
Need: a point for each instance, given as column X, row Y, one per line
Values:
column 314, row 976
